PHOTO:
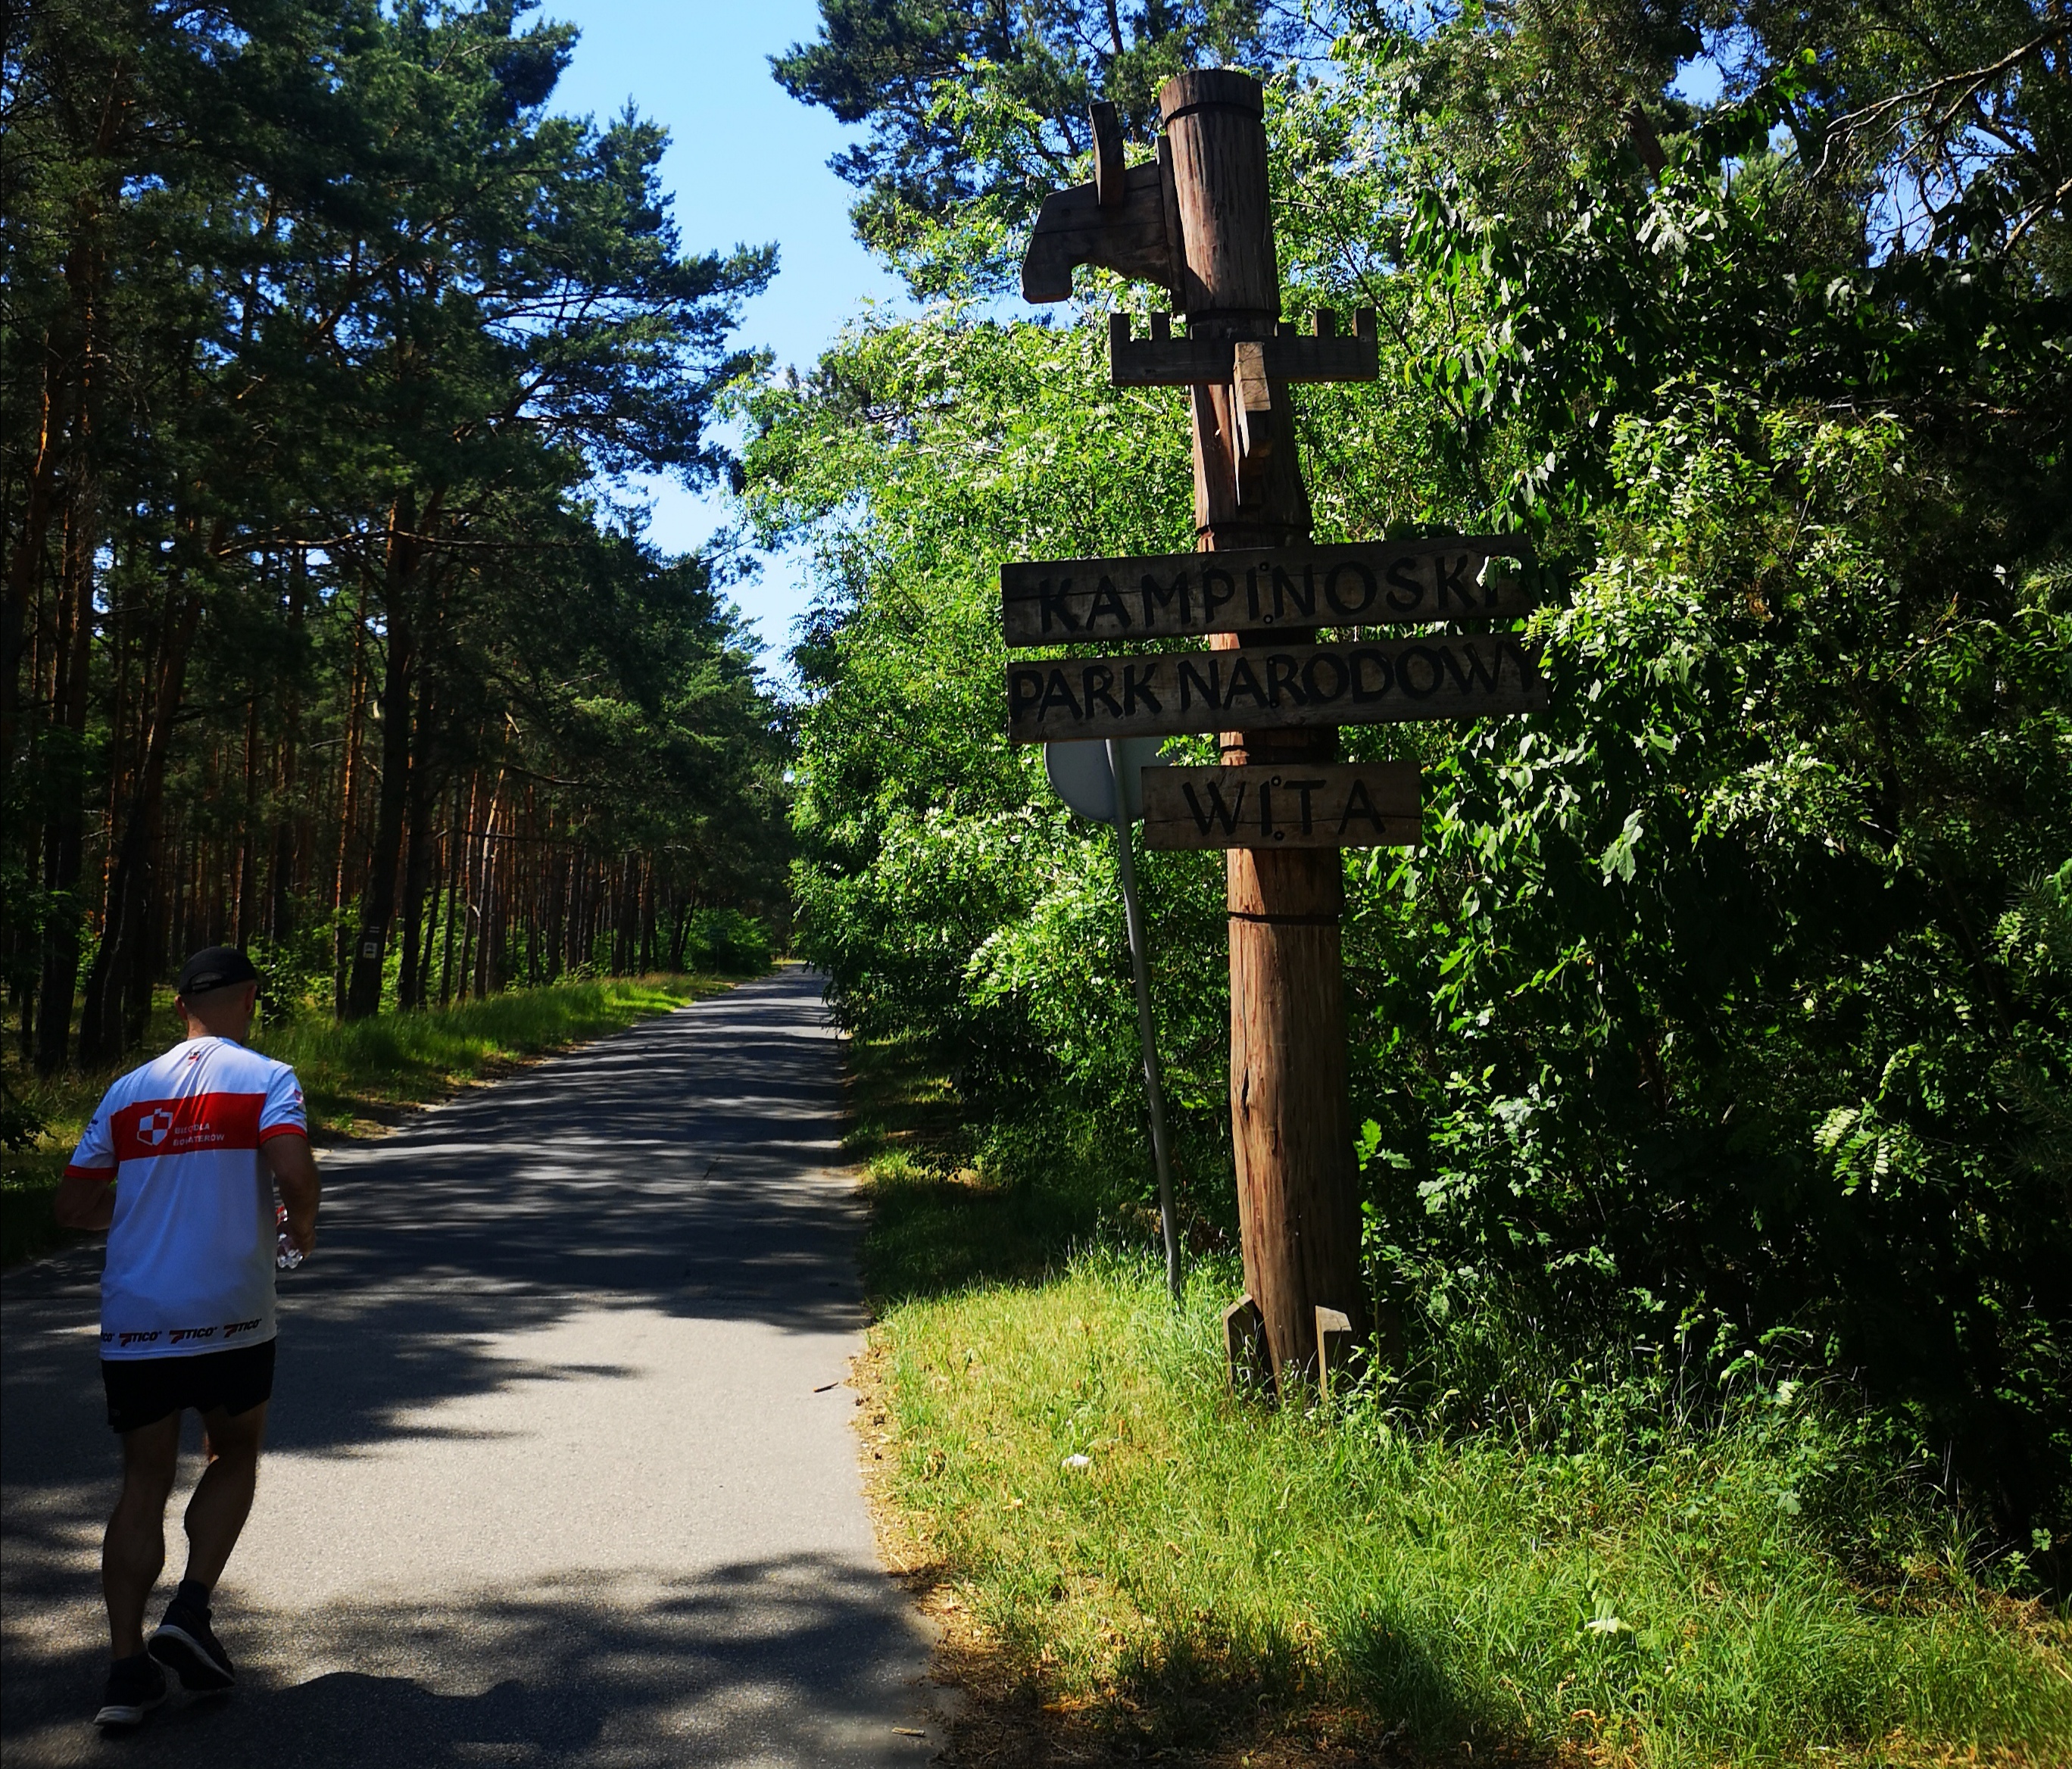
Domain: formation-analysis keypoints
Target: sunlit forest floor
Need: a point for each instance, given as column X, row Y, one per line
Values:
column 1216, row 1582
column 357, row 1078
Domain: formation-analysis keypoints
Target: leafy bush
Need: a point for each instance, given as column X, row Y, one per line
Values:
column 21, row 1124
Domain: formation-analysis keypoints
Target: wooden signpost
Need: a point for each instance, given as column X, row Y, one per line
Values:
column 1283, row 688
column 1196, row 221
column 1365, row 804
column 1189, row 596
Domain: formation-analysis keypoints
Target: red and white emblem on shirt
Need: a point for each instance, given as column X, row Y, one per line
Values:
column 152, row 1127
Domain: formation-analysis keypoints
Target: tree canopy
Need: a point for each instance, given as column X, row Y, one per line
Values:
column 329, row 627
column 980, row 108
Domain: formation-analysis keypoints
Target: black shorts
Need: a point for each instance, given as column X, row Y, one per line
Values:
column 143, row 1390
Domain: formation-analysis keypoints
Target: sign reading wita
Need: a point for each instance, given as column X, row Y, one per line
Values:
column 1359, row 804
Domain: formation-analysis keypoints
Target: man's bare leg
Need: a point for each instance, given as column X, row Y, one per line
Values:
column 133, row 1554
column 223, row 1498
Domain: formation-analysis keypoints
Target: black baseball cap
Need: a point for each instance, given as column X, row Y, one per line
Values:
column 215, row 967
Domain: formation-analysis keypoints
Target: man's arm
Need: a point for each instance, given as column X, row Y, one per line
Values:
column 85, row 1200
column 86, row 1195
column 295, row 1172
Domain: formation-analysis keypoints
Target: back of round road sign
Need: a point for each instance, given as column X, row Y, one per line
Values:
column 1079, row 774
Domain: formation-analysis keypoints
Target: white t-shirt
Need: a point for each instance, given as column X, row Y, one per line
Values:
column 191, row 1251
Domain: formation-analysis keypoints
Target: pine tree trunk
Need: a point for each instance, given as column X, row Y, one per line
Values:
column 281, row 873
column 248, row 834
column 126, row 941
column 456, row 865
column 25, row 563
column 64, row 829
column 356, row 718
column 419, row 860
column 484, row 908
column 377, row 903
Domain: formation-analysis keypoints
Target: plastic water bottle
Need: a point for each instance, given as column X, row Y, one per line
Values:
column 287, row 1256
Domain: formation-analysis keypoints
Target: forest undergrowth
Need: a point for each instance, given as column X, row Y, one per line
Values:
column 1610, row 1568
column 358, row 1076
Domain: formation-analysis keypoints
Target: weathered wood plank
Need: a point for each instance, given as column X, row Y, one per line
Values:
column 1191, row 362
column 1109, row 168
column 1246, row 1355
column 1274, row 688
column 1359, row 804
column 1184, row 595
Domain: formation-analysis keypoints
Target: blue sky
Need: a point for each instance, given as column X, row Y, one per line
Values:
column 746, row 164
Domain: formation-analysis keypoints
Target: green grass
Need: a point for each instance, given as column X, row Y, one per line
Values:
column 1348, row 1569
column 355, row 1078
column 937, row 1221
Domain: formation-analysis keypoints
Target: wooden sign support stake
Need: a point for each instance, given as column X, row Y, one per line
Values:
column 1291, row 1121
column 1199, row 222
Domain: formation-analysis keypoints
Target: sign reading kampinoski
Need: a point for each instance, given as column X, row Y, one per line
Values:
column 1393, row 583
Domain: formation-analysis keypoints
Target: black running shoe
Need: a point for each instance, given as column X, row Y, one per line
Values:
column 135, row 1686
column 184, row 1644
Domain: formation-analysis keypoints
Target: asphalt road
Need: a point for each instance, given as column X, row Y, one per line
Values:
column 560, row 1467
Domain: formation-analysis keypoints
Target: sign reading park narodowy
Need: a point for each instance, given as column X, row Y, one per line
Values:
column 1267, row 687
column 1389, row 583
column 1359, row 804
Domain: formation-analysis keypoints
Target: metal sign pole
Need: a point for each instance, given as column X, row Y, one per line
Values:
column 1153, row 1085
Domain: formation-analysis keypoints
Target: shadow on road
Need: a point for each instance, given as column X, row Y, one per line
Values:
column 773, row 1661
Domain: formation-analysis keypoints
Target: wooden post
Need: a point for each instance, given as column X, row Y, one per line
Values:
column 1298, row 1203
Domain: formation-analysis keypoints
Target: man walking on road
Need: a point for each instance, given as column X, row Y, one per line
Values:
column 187, row 1306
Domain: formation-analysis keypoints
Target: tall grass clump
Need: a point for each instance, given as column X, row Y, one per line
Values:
column 1666, row 1592
column 1538, row 1534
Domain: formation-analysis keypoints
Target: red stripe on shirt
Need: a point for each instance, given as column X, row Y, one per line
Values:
column 202, row 1123
column 272, row 1130
column 72, row 1172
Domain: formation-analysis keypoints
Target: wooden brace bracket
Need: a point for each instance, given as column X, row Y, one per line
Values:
column 1245, row 1352
column 1246, row 369
column 1252, row 400
column 1334, row 1349
column 1251, row 419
